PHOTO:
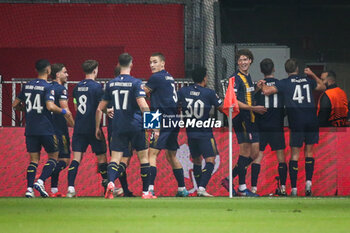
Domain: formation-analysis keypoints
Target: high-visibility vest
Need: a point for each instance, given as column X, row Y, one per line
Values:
column 339, row 102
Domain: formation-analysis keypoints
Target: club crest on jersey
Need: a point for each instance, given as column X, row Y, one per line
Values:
column 151, row 120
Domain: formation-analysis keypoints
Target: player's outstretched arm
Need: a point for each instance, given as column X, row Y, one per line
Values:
column 147, row 90
column 52, row 107
column 102, row 107
column 259, row 85
column 18, row 105
column 268, row 90
column 320, row 85
column 258, row 109
column 64, row 105
column 141, row 102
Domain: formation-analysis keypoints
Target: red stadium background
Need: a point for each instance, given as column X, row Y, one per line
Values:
column 72, row 33
column 331, row 176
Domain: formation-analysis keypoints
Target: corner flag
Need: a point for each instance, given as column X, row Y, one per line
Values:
column 231, row 109
column 230, row 100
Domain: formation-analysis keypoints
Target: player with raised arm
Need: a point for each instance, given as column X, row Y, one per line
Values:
column 59, row 77
column 196, row 102
column 244, row 123
column 128, row 99
column 161, row 87
column 37, row 100
column 302, row 118
column 87, row 94
column 270, row 126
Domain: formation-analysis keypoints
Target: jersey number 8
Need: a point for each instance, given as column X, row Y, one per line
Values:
column 82, row 104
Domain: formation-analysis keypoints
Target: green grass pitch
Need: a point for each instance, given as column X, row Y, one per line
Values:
column 175, row 215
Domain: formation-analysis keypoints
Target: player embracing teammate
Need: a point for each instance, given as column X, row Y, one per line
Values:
column 302, row 118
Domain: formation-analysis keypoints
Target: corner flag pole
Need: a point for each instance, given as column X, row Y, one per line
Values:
column 230, row 149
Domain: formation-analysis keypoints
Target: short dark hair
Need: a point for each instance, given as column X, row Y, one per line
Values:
column 291, row 65
column 198, row 74
column 41, row 65
column 89, row 66
column 244, row 52
column 267, row 66
column 158, row 54
column 55, row 68
column 331, row 75
column 325, row 71
column 117, row 71
column 124, row 59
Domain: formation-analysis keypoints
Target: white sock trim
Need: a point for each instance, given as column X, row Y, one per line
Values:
column 71, row 189
column 242, row 187
column 54, row 190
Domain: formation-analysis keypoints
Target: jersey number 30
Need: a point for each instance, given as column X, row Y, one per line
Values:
column 195, row 109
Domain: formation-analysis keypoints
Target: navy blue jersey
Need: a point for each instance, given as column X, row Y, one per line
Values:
column 88, row 94
column 59, row 121
column 163, row 93
column 196, row 102
column 35, row 93
column 122, row 93
column 274, row 104
column 244, row 90
column 298, row 98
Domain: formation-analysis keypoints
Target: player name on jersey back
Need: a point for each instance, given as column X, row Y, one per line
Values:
column 195, row 93
column 120, row 84
column 83, row 88
column 37, row 88
column 301, row 80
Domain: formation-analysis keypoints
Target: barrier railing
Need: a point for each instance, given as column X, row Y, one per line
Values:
column 16, row 85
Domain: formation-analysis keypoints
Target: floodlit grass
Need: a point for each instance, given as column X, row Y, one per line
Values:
column 175, row 215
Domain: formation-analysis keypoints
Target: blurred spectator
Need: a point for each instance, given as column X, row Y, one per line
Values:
column 332, row 108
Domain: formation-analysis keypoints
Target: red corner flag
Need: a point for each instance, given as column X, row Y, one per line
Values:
column 231, row 99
